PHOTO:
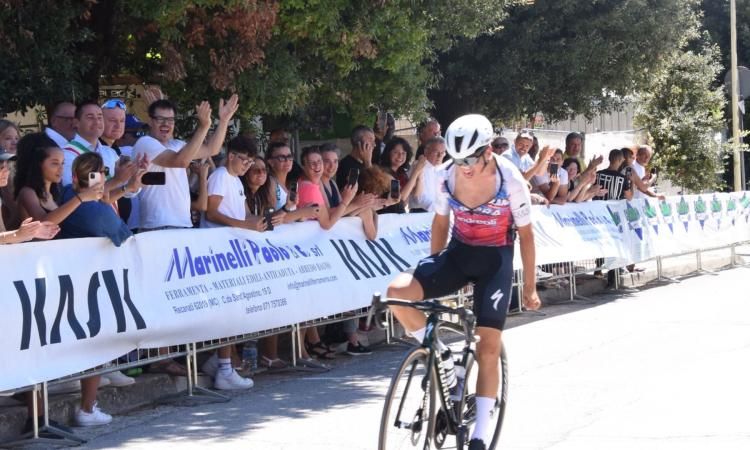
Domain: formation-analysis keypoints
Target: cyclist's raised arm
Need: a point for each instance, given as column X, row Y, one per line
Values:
column 439, row 239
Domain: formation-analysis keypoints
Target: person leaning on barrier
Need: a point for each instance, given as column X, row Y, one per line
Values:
column 581, row 186
column 363, row 142
column 396, row 160
column 311, row 190
column 425, row 192
column 29, row 229
column 279, row 159
column 519, row 155
column 9, row 135
column 95, row 219
column 330, row 154
column 553, row 186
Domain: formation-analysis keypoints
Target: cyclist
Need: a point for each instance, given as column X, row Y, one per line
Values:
column 490, row 202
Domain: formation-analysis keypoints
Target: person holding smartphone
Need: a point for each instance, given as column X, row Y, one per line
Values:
column 553, row 182
column 363, row 141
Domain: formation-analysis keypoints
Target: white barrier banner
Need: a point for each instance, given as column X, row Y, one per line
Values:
column 71, row 305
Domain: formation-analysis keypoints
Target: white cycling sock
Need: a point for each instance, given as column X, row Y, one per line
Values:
column 482, row 426
column 419, row 336
column 225, row 366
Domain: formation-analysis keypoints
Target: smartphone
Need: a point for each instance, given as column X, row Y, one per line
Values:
column 395, row 189
column 124, row 159
column 95, row 178
column 353, row 176
column 293, row 191
column 553, row 168
column 267, row 215
column 154, row 178
column 628, row 173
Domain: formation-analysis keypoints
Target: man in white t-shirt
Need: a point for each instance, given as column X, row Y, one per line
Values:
column 168, row 206
column 554, row 187
column 226, row 207
column 226, row 195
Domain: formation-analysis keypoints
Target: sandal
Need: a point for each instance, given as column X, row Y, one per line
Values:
column 272, row 364
column 319, row 350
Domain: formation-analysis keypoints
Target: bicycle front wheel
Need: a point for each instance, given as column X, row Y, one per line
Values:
column 409, row 410
column 468, row 404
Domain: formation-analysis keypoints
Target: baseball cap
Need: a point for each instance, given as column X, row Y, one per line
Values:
column 525, row 134
column 132, row 122
column 6, row 155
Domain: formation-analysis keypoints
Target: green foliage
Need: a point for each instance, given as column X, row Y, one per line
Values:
column 39, row 60
column 562, row 57
column 682, row 110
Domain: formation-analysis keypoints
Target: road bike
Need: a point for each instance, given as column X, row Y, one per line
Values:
column 421, row 410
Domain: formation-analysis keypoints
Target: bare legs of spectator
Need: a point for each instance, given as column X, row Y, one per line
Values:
column 269, row 353
column 311, row 344
column 89, row 386
column 89, row 413
column 168, row 366
column 353, row 346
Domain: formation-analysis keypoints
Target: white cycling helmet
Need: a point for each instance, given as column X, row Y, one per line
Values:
column 467, row 134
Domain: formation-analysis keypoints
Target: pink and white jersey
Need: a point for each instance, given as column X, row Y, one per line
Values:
column 489, row 224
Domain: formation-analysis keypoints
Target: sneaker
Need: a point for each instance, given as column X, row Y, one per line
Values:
column 477, row 444
column 66, row 387
column 356, row 350
column 94, row 418
column 118, row 379
column 211, row 366
column 232, row 381
column 542, row 275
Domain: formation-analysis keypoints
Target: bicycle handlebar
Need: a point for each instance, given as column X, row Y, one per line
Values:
column 423, row 305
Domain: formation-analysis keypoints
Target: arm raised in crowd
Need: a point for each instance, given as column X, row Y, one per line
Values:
column 226, row 112
column 191, row 150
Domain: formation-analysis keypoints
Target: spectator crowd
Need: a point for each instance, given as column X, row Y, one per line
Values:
column 98, row 171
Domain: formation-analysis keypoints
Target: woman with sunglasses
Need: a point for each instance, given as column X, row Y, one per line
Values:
column 490, row 202
column 39, row 170
column 280, row 161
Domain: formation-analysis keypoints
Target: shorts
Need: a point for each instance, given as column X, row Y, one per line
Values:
column 490, row 268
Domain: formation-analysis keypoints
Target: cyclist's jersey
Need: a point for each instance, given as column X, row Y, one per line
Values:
column 481, row 249
column 492, row 223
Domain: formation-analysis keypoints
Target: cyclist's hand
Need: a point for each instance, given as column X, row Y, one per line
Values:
column 531, row 299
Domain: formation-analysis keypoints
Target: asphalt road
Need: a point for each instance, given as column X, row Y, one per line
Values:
column 665, row 367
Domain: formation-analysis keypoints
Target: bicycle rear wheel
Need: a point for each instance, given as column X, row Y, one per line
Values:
column 467, row 415
column 407, row 421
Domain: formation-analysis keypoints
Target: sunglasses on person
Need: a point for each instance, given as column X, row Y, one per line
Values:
column 284, row 158
column 470, row 160
column 114, row 103
column 500, row 145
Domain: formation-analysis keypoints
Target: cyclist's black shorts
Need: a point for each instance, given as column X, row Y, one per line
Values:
column 490, row 268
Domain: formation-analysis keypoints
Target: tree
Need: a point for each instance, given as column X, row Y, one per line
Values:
column 561, row 58
column 295, row 57
column 682, row 109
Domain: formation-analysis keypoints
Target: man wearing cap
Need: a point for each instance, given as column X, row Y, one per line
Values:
column 519, row 155
column 500, row 145
column 61, row 128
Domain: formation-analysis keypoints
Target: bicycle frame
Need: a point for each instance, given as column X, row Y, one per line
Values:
column 434, row 324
